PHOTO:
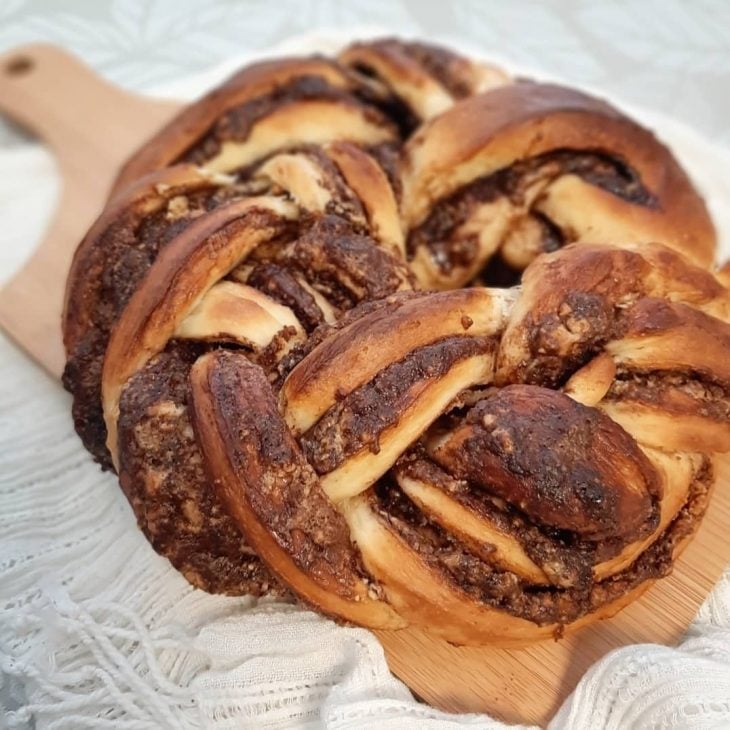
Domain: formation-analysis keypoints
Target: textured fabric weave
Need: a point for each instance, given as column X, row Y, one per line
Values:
column 98, row 631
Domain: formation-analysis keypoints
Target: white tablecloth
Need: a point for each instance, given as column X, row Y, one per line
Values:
column 98, row 631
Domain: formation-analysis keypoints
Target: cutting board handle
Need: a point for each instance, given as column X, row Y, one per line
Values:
column 91, row 126
column 75, row 111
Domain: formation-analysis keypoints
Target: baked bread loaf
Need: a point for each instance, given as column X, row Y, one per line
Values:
column 409, row 340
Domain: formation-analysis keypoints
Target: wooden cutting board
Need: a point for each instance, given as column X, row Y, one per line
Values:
column 91, row 127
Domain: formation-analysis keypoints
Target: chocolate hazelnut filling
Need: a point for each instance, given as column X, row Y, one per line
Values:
column 387, row 155
column 161, row 472
column 674, row 392
column 566, row 559
column 596, row 168
column 345, row 267
column 236, row 123
column 357, row 421
column 118, row 264
column 323, row 331
column 281, row 285
column 504, row 590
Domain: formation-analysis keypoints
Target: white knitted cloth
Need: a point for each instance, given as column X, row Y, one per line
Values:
column 98, row 631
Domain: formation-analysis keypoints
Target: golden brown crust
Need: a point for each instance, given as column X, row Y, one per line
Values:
column 147, row 195
column 427, row 79
column 427, row 595
column 172, row 141
column 563, row 464
column 176, row 282
column 552, row 154
column 259, row 472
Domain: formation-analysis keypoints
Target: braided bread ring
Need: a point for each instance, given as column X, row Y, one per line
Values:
column 256, row 347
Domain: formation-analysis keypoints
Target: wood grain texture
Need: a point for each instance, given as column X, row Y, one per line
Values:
column 91, row 126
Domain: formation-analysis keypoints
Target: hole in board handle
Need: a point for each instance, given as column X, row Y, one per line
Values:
column 19, row 66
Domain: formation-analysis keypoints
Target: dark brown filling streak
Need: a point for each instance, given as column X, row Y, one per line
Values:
column 344, row 202
column 161, row 473
column 236, row 123
column 279, row 283
column 442, row 64
column 324, row 330
column 712, row 398
column 387, row 155
column 391, row 106
column 119, row 262
column 359, row 418
column 503, row 589
column 561, row 554
column 344, row 266
column 596, row 168
column 594, row 314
